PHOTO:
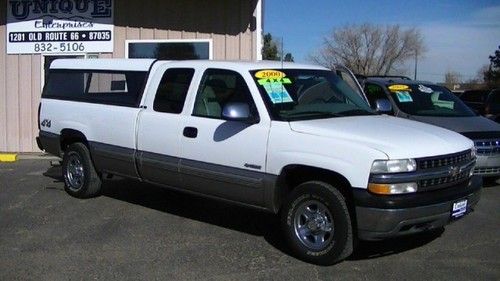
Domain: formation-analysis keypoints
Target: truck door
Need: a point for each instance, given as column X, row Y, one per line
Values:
column 160, row 126
column 226, row 159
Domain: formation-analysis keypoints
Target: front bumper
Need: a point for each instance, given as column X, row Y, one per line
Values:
column 380, row 217
column 488, row 165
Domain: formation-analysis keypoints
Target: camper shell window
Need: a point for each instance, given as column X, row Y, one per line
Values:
column 123, row 88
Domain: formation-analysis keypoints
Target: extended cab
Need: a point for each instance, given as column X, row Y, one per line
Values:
column 290, row 139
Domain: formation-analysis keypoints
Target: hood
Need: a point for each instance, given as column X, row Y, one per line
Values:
column 396, row 137
column 461, row 124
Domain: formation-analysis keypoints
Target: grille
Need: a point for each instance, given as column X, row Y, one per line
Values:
column 442, row 181
column 443, row 160
column 487, row 147
column 487, row 171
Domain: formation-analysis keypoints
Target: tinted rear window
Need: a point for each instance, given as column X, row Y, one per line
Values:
column 474, row 96
column 107, row 87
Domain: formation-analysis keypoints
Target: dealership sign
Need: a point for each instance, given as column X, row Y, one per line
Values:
column 59, row 26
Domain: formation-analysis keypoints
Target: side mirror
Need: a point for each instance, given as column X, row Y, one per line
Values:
column 383, row 106
column 237, row 111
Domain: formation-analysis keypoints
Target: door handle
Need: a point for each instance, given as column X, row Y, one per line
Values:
column 190, row 132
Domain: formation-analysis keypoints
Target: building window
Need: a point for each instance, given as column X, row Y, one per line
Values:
column 170, row 50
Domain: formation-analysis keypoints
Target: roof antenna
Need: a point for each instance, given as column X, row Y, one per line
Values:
column 282, row 68
column 281, row 52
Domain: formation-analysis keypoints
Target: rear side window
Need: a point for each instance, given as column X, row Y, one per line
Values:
column 494, row 97
column 172, row 91
column 473, row 96
column 108, row 87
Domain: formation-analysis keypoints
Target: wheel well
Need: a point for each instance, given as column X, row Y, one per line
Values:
column 69, row 136
column 293, row 175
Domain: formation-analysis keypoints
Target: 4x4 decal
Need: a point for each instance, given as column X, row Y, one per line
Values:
column 46, row 123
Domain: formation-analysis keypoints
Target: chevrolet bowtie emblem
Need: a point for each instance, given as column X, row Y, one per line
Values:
column 454, row 171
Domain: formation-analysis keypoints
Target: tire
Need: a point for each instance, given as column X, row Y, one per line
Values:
column 80, row 177
column 316, row 224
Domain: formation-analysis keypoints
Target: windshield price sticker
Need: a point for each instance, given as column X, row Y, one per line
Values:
column 398, row 87
column 277, row 92
column 265, row 81
column 270, row 74
column 404, row 96
column 273, row 82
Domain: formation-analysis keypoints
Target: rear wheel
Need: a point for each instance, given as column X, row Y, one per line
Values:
column 316, row 223
column 80, row 177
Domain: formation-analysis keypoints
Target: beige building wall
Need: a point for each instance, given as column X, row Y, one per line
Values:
column 232, row 25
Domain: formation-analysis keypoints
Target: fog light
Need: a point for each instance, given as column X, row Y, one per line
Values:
column 393, row 188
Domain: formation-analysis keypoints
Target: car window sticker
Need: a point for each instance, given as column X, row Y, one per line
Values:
column 398, row 87
column 404, row 96
column 273, row 83
column 269, row 74
column 424, row 89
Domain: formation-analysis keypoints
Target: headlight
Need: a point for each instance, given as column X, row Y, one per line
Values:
column 393, row 166
column 473, row 152
column 473, row 156
column 393, row 188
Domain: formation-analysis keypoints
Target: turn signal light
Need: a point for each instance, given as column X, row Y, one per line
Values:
column 392, row 188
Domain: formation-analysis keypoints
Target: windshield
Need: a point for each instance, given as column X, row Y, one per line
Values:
column 303, row 94
column 428, row 100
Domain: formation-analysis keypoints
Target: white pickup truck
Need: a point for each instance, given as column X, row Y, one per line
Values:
column 290, row 139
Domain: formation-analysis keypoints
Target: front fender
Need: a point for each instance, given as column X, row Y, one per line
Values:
column 349, row 159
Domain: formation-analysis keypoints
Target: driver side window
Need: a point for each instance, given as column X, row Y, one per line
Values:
column 218, row 87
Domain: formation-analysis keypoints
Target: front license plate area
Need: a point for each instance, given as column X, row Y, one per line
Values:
column 459, row 209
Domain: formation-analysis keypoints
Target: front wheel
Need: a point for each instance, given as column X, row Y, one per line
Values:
column 316, row 223
column 80, row 177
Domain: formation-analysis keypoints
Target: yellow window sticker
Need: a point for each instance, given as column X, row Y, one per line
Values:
column 398, row 87
column 273, row 82
column 269, row 74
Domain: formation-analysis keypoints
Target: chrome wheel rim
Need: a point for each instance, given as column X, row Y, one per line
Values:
column 74, row 172
column 313, row 225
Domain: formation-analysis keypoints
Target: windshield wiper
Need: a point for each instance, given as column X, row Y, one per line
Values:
column 354, row 112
